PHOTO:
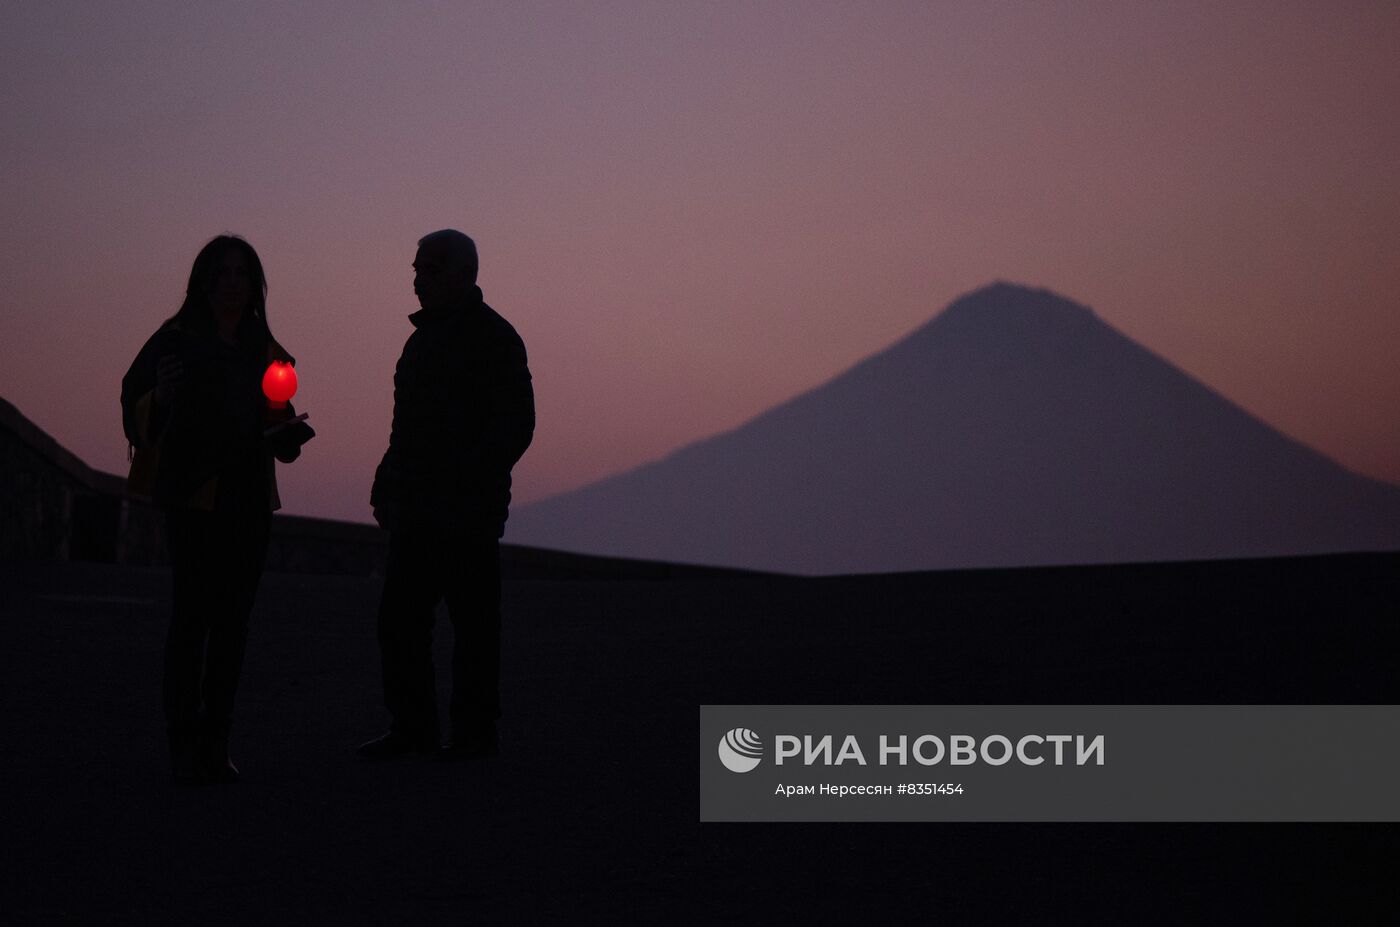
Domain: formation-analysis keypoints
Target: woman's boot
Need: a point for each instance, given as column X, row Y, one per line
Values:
column 214, row 761
column 185, row 765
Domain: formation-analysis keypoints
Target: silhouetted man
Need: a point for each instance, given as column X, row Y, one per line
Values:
column 464, row 412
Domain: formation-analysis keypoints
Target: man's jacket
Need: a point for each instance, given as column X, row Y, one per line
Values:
column 464, row 413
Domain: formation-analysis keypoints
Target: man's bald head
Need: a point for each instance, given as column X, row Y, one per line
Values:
column 445, row 269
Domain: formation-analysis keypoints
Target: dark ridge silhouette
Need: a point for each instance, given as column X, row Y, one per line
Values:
column 1015, row 428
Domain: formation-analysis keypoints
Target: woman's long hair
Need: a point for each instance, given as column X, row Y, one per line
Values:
column 196, row 314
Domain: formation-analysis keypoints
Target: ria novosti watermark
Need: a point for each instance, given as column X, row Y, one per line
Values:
column 1050, row 763
column 741, row 750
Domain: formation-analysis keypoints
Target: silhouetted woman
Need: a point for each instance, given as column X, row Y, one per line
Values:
column 194, row 412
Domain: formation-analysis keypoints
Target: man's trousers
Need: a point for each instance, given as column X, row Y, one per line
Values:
column 424, row 568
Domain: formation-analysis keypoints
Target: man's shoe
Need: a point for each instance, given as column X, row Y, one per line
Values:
column 476, row 747
column 396, row 746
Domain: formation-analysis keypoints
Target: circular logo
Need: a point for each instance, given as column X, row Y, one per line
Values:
column 740, row 750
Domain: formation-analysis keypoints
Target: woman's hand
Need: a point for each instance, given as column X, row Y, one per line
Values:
column 169, row 373
column 285, row 443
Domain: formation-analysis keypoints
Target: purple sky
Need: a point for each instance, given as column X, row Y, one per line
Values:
column 694, row 211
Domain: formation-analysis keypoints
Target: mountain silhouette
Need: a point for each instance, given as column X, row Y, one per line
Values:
column 1013, row 429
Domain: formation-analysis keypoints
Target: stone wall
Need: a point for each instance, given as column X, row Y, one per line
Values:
column 52, row 505
column 55, row 507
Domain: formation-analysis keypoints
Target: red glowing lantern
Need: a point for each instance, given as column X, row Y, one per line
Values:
column 279, row 384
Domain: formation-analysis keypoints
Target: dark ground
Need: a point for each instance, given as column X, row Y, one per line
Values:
column 591, row 812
